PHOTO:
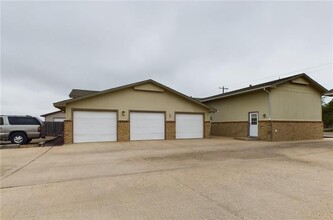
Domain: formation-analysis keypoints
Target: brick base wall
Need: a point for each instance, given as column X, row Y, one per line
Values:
column 265, row 131
column 229, row 129
column 170, row 130
column 292, row 131
column 123, row 131
column 68, row 132
column 271, row 130
column 207, row 129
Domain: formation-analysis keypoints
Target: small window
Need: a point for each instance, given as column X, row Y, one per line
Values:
column 1, row 120
column 23, row 121
column 254, row 119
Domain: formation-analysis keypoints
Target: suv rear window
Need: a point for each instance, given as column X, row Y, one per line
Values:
column 1, row 121
column 23, row 121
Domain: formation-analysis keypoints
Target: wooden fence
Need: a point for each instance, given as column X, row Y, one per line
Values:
column 53, row 128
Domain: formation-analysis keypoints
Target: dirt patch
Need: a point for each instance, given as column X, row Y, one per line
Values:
column 217, row 155
column 58, row 141
column 306, row 145
column 276, row 153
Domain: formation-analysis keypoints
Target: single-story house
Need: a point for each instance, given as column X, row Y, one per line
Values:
column 279, row 110
column 145, row 110
column 329, row 93
column 76, row 93
column 57, row 116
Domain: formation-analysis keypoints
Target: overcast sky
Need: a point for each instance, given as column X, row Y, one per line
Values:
column 49, row 48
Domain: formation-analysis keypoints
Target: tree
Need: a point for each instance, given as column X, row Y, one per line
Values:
column 328, row 114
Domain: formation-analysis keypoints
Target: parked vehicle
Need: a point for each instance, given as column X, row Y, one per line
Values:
column 20, row 129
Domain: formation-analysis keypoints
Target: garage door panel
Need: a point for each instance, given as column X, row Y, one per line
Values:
column 147, row 126
column 92, row 126
column 189, row 126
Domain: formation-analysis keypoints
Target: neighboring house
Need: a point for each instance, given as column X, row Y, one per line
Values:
column 57, row 116
column 329, row 93
column 76, row 93
column 280, row 110
column 144, row 110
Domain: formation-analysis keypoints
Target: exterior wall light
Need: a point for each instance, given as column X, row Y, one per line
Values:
column 123, row 113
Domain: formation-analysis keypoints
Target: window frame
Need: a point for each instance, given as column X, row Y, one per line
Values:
column 23, row 121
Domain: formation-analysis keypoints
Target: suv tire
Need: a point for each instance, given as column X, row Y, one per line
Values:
column 18, row 138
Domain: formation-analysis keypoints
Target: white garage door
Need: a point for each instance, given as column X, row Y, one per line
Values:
column 146, row 126
column 94, row 126
column 189, row 126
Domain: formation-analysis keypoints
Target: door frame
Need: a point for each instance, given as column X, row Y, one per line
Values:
column 249, row 123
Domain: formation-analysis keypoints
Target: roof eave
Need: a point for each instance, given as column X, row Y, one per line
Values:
column 50, row 113
column 313, row 83
column 62, row 104
column 226, row 95
column 211, row 109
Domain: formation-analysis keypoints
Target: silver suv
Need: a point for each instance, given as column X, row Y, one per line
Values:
column 20, row 129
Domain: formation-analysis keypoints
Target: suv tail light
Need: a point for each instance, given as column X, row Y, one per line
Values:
column 38, row 129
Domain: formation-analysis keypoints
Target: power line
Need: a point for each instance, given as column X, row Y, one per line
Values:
column 283, row 74
column 208, row 91
column 322, row 70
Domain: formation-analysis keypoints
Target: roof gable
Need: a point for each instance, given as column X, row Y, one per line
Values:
column 147, row 85
column 300, row 81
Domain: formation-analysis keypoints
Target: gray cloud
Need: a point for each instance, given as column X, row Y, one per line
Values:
column 48, row 48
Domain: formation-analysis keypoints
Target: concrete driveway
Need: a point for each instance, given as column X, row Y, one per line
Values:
column 217, row 178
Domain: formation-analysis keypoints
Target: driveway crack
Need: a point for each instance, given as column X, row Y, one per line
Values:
column 20, row 168
column 228, row 209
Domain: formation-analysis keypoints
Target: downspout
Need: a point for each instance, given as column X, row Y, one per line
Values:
column 269, row 104
column 270, row 130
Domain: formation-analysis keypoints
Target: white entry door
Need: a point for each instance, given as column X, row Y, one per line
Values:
column 253, row 124
column 147, row 126
column 189, row 126
column 94, row 126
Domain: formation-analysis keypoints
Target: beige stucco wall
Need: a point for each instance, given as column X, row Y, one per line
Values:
column 55, row 115
column 131, row 100
column 237, row 108
column 296, row 102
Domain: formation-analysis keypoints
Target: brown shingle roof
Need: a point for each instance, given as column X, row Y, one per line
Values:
column 75, row 93
column 329, row 93
column 50, row 113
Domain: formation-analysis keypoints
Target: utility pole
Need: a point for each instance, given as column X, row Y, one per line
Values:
column 223, row 89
